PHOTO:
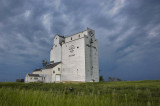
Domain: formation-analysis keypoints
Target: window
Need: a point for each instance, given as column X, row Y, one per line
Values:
column 35, row 78
column 53, row 72
column 55, row 45
column 58, row 69
column 79, row 35
column 31, row 77
column 71, row 38
column 77, row 46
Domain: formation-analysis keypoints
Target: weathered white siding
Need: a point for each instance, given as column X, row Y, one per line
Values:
column 73, row 63
column 56, row 50
column 91, row 58
column 75, row 36
column 32, row 79
column 46, row 74
column 56, row 70
column 55, row 54
column 49, row 74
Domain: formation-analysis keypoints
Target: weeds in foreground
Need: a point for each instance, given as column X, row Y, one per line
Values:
column 86, row 94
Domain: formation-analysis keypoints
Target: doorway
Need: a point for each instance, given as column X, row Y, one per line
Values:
column 58, row 77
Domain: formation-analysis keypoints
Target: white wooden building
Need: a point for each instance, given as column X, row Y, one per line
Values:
column 72, row 58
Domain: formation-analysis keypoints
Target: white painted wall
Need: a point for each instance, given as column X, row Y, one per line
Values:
column 50, row 74
column 75, row 36
column 82, row 64
column 73, row 63
column 91, row 59
column 46, row 74
column 32, row 79
column 55, row 69
column 56, row 50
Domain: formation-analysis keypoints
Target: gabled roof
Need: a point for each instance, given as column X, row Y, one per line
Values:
column 59, row 36
column 34, row 75
column 52, row 65
column 79, row 32
column 52, row 62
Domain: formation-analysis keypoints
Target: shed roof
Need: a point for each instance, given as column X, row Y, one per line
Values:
column 34, row 75
column 52, row 65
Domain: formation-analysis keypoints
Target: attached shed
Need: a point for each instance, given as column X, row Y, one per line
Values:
column 33, row 78
column 51, row 73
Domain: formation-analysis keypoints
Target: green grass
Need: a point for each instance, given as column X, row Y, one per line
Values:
column 125, row 93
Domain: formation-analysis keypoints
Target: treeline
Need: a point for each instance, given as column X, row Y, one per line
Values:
column 101, row 79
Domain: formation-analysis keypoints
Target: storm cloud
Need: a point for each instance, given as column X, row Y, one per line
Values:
column 128, row 32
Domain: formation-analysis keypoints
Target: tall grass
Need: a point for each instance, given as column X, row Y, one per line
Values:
column 142, row 93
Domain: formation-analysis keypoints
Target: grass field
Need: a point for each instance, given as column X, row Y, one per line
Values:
column 125, row 93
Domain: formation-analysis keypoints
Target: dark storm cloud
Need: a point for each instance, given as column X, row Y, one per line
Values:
column 127, row 31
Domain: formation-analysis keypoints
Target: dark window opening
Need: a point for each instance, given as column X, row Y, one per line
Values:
column 77, row 46
column 36, row 78
column 79, row 35
column 71, row 38
column 58, row 69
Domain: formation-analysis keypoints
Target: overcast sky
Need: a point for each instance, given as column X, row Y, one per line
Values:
column 128, row 32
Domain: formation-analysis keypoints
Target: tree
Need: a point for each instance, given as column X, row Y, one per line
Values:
column 109, row 78
column 101, row 79
column 118, row 79
column 44, row 63
column 113, row 79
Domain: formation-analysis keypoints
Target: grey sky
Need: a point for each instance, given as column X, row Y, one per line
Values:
column 128, row 32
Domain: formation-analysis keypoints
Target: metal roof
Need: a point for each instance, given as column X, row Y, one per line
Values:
column 52, row 65
column 61, row 36
column 34, row 75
